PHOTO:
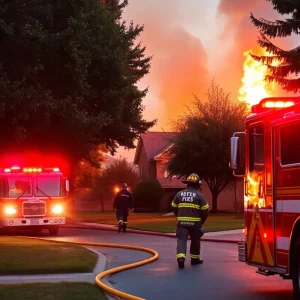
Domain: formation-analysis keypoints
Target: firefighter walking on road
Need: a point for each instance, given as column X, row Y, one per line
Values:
column 191, row 209
column 122, row 205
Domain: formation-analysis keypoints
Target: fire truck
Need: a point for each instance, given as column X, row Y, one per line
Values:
column 267, row 158
column 32, row 198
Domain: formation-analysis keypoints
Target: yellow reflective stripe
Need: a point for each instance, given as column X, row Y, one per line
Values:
column 206, row 206
column 196, row 206
column 188, row 219
column 174, row 204
column 180, row 255
column 194, row 256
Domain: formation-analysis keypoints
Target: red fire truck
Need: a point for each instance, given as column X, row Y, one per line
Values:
column 32, row 198
column 267, row 157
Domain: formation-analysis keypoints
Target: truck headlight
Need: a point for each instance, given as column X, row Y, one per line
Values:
column 57, row 209
column 10, row 210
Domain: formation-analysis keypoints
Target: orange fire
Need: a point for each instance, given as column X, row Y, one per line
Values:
column 254, row 87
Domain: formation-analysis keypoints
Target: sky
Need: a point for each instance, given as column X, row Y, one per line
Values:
column 192, row 43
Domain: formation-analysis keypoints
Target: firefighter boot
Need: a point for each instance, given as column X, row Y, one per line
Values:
column 180, row 262
column 124, row 227
column 120, row 225
column 197, row 261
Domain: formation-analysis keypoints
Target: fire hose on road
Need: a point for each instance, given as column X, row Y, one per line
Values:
column 101, row 275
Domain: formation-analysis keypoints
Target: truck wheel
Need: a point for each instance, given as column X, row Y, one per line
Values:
column 53, row 230
column 295, row 265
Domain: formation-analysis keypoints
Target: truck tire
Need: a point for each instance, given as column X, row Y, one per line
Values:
column 295, row 268
column 53, row 230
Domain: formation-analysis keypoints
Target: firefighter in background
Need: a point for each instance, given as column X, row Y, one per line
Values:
column 122, row 205
column 191, row 209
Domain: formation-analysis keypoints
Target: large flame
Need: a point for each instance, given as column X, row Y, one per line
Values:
column 254, row 87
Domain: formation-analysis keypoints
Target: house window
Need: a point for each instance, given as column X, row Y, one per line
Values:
column 289, row 144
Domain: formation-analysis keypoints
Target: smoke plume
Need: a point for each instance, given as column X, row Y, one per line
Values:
column 179, row 64
column 242, row 36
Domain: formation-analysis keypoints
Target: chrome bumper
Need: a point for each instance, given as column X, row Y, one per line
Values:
column 11, row 222
column 242, row 251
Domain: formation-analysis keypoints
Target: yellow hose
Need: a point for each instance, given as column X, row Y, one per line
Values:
column 113, row 270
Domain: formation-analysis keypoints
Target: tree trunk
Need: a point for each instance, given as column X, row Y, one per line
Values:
column 102, row 197
column 214, row 202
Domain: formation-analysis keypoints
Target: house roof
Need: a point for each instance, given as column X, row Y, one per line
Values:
column 155, row 143
column 171, row 183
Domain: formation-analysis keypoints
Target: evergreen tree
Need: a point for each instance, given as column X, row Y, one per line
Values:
column 115, row 6
column 288, row 67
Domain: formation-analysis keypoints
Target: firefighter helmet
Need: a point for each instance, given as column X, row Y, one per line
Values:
column 124, row 186
column 193, row 178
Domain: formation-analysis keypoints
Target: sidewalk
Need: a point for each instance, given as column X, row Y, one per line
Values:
column 233, row 235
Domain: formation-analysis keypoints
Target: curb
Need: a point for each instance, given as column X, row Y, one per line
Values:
column 100, row 267
column 150, row 233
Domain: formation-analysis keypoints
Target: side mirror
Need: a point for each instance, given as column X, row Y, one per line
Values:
column 237, row 154
column 234, row 146
column 65, row 187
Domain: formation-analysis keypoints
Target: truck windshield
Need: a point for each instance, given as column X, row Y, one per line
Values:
column 47, row 186
column 15, row 186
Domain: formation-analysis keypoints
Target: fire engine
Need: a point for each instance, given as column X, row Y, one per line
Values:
column 32, row 198
column 267, row 156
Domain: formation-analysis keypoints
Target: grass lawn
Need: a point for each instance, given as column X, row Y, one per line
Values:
column 52, row 291
column 156, row 222
column 26, row 256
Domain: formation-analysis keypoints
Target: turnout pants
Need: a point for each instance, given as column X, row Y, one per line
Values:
column 182, row 234
column 122, row 217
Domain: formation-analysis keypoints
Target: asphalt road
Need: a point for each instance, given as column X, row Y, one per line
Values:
column 221, row 276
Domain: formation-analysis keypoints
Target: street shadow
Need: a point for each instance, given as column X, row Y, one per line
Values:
column 272, row 295
column 12, row 232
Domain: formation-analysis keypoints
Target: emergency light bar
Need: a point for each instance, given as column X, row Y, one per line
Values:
column 273, row 103
column 29, row 170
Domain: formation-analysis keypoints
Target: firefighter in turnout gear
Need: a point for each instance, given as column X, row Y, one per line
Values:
column 122, row 205
column 191, row 209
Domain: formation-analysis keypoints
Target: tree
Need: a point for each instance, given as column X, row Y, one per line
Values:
column 201, row 143
column 147, row 196
column 114, row 176
column 282, row 64
column 87, row 172
column 68, row 77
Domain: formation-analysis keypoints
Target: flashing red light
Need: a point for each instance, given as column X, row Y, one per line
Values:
column 56, row 169
column 15, row 168
column 32, row 170
column 274, row 102
column 277, row 104
column 265, row 235
column 7, row 170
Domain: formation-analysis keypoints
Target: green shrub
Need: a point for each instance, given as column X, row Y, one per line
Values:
column 147, row 196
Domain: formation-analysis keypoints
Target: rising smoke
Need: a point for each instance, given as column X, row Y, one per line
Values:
column 179, row 65
column 242, row 36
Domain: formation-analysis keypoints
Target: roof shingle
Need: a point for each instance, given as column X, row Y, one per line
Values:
column 156, row 142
